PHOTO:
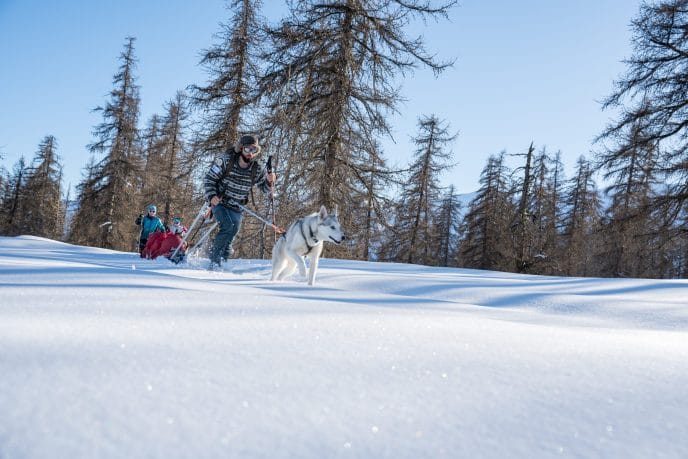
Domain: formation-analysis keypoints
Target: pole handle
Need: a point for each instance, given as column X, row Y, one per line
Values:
column 269, row 164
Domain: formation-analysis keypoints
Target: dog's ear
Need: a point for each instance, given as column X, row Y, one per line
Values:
column 336, row 210
column 322, row 215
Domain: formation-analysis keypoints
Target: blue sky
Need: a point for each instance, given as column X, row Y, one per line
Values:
column 533, row 70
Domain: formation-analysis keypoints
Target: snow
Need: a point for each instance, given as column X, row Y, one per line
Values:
column 105, row 355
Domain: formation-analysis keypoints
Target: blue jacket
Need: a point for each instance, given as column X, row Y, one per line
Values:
column 150, row 225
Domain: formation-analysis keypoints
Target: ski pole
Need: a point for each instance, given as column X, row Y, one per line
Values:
column 138, row 241
column 268, row 167
column 200, row 215
column 271, row 195
column 203, row 238
column 194, row 233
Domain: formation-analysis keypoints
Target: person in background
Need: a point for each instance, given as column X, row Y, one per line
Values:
column 173, row 239
column 177, row 227
column 149, row 224
column 164, row 244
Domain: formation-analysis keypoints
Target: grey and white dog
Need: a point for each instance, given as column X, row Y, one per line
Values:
column 305, row 238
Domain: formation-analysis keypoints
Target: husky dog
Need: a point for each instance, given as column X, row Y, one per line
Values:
column 305, row 237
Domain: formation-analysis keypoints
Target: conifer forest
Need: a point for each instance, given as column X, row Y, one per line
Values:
column 318, row 87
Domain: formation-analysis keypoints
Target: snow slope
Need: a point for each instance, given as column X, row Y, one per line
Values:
column 105, row 355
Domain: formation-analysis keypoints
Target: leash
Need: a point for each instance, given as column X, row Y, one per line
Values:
column 275, row 228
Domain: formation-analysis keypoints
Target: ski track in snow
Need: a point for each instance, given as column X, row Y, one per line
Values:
column 103, row 354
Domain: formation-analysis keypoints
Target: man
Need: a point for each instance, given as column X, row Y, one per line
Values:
column 149, row 225
column 228, row 183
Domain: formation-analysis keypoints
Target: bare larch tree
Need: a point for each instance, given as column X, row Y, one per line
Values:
column 231, row 65
column 110, row 202
column 335, row 64
column 653, row 98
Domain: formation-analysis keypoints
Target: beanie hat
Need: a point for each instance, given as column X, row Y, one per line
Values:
column 152, row 208
column 248, row 141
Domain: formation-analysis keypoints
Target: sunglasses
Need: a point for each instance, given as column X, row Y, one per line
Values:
column 252, row 149
column 151, row 211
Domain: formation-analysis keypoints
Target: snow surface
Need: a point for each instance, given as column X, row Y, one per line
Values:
column 105, row 355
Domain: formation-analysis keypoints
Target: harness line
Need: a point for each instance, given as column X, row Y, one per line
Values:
column 275, row 228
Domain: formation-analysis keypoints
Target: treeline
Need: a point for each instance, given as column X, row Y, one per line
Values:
column 317, row 88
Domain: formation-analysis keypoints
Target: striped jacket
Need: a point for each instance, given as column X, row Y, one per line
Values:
column 227, row 180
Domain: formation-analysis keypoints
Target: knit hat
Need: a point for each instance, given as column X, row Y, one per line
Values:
column 248, row 141
column 152, row 208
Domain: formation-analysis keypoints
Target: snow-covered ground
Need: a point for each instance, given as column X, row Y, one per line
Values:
column 105, row 355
